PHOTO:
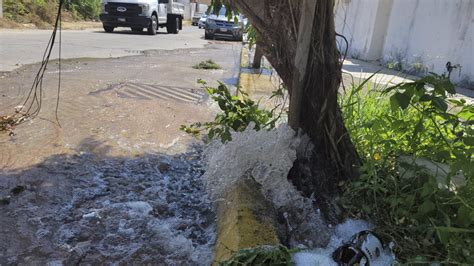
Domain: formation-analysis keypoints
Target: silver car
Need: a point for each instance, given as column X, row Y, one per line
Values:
column 202, row 21
column 218, row 26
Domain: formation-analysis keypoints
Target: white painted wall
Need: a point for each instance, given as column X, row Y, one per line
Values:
column 433, row 32
column 421, row 34
column 355, row 19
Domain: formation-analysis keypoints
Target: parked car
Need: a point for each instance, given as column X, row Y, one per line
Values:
column 202, row 21
column 218, row 25
column 139, row 14
column 198, row 13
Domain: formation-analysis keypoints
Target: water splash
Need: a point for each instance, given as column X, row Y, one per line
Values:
column 267, row 156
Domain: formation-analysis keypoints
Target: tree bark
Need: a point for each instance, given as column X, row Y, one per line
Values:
column 257, row 58
column 288, row 34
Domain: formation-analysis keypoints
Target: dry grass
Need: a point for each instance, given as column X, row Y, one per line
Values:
column 6, row 23
column 9, row 24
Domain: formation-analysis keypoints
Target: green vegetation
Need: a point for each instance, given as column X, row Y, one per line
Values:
column 237, row 114
column 208, row 64
column 416, row 144
column 42, row 13
column 416, row 183
column 85, row 9
column 265, row 255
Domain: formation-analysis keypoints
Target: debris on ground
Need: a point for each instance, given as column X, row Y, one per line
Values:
column 352, row 243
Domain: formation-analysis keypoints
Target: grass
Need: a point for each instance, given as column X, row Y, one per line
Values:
column 42, row 13
column 411, row 205
column 208, row 64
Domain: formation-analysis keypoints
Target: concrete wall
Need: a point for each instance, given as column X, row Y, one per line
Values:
column 190, row 7
column 358, row 21
column 418, row 35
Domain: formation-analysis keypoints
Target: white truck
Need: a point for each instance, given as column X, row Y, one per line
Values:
column 140, row 14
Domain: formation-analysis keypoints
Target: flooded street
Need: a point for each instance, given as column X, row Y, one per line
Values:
column 83, row 209
column 117, row 181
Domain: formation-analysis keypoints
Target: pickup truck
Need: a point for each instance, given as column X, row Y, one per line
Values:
column 140, row 14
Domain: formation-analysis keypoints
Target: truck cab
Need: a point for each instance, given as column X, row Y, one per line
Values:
column 140, row 14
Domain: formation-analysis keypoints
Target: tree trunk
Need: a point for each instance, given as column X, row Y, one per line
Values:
column 257, row 58
column 301, row 45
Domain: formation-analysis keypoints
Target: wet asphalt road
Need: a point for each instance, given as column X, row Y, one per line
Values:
column 122, row 106
column 117, row 180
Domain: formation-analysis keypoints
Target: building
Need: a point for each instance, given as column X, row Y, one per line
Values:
column 416, row 36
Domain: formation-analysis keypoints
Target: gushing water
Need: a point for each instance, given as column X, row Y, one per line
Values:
column 268, row 157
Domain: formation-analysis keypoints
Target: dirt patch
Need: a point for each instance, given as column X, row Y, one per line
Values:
column 6, row 23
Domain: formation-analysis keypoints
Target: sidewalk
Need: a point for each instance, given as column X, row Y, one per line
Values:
column 359, row 70
column 260, row 83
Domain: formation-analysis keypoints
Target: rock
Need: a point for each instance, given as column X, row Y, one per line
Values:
column 164, row 167
column 5, row 201
column 17, row 190
column 91, row 215
column 78, row 253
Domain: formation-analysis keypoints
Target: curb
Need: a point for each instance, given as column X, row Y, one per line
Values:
column 245, row 219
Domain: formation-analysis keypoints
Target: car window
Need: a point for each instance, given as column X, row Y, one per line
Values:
column 222, row 11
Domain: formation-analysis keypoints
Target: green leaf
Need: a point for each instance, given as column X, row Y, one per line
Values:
column 439, row 103
column 400, row 100
column 448, row 86
column 453, row 229
column 468, row 141
column 426, row 207
column 465, row 216
column 418, row 128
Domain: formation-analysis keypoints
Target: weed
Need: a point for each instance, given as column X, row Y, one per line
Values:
column 263, row 255
column 417, row 67
column 395, row 61
column 423, row 210
column 208, row 64
column 237, row 114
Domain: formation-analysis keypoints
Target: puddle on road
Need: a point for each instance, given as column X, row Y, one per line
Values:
column 74, row 209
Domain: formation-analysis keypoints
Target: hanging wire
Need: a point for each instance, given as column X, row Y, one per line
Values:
column 33, row 102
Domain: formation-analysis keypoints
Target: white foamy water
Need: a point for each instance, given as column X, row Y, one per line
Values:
column 267, row 156
column 342, row 234
column 147, row 210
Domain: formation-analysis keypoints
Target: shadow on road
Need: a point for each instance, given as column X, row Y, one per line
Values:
column 129, row 32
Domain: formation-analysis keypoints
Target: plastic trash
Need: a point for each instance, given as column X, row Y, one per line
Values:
column 363, row 249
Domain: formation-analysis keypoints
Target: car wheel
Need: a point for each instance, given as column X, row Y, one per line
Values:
column 108, row 29
column 208, row 36
column 153, row 27
column 137, row 29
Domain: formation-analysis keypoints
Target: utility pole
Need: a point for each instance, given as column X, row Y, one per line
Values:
column 1, row 8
